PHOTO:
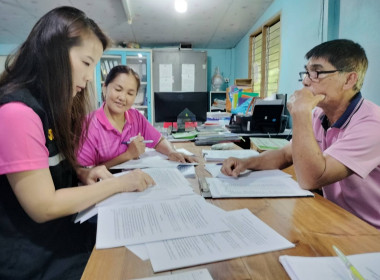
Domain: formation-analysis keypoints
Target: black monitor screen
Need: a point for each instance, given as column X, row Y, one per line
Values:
column 168, row 105
column 267, row 118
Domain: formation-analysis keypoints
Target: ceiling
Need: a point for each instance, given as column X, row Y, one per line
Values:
column 212, row 24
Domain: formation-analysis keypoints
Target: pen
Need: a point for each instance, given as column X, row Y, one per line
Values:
column 129, row 142
column 354, row 272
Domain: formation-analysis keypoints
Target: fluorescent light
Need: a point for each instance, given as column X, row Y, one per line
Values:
column 180, row 6
column 127, row 10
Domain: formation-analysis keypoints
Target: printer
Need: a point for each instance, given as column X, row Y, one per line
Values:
column 267, row 117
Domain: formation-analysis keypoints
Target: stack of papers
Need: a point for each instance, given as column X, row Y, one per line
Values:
column 173, row 227
column 150, row 162
column 247, row 235
column 138, row 223
column 187, row 170
column 235, row 233
column 211, row 126
column 197, row 274
column 170, row 184
column 210, row 129
column 221, row 137
column 265, row 183
column 220, row 155
column 316, row 268
column 185, row 135
column 263, row 144
column 181, row 229
column 265, row 187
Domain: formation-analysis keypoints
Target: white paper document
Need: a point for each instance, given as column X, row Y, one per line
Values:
column 188, row 77
column 150, row 162
column 166, row 77
column 214, row 170
column 331, row 268
column 152, row 221
column 139, row 250
column 169, row 178
column 170, row 184
column 150, row 152
column 248, row 235
column 220, row 155
column 259, row 187
column 254, row 175
column 187, row 170
column 198, row 274
column 184, row 151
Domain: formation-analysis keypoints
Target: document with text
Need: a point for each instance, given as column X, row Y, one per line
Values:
column 152, row 221
column 150, row 162
column 170, row 184
column 263, row 187
column 248, row 235
column 220, row 155
column 197, row 274
column 141, row 251
column 214, row 170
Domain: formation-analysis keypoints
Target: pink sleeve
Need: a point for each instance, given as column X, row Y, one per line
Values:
column 87, row 155
column 22, row 139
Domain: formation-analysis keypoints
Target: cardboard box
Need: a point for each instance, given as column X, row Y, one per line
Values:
column 244, row 84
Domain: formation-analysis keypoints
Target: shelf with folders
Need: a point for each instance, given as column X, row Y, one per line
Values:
column 140, row 60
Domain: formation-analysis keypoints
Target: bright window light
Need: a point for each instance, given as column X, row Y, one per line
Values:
column 180, row 6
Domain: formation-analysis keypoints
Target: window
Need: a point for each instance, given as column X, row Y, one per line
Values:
column 264, row 58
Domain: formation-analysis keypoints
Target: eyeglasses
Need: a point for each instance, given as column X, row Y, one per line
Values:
column 314, row 75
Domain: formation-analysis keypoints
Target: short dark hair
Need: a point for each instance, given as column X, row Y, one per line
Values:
column 122, row 69
column 345, row 55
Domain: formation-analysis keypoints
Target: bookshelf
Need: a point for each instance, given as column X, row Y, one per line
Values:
column 217, row 101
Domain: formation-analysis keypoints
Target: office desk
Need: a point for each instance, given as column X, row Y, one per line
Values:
column 312, row 224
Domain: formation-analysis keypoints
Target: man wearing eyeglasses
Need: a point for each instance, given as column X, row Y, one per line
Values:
column 336, row 132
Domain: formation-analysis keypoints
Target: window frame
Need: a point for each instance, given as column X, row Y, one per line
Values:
column 264, row 32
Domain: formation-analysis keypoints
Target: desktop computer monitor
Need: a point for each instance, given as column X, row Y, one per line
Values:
column 168, row 105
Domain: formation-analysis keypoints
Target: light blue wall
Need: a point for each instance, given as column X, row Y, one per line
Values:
column 6, row 49
column 360, row 22
column 300, row 30
column 302, row 27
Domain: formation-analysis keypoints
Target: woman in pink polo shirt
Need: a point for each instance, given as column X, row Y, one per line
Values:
column 116, row 122
column 43, row 101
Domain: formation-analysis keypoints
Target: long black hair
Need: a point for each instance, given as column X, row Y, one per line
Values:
column 42, row 65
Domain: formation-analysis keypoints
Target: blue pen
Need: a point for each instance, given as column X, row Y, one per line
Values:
column 129, row 142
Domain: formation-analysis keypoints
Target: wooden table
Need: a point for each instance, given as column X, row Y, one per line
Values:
column 313, row 224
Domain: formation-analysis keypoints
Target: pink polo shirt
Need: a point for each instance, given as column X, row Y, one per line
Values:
column 104, row 142
column 354, row 140
column 22, row 139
